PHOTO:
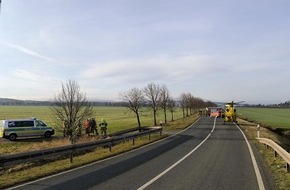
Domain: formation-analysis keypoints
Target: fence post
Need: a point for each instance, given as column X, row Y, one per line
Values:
column 110, row 147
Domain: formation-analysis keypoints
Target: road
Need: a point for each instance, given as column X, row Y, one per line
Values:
column 208, row 155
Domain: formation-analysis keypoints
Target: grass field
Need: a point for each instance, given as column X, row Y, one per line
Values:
column 118, row 118
column 269, row 117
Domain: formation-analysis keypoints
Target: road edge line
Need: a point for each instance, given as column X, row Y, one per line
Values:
column 254, row 162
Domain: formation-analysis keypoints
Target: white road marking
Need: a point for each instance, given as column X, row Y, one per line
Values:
column 256, row 168
column 176, row 163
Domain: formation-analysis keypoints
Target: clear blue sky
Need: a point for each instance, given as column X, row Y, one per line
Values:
column 217, row 50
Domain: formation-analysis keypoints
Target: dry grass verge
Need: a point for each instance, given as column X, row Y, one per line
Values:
column 30, row 171
column 276, row 164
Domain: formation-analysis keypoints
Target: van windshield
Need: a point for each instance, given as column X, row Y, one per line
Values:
column 2, row 123
column 40, row 123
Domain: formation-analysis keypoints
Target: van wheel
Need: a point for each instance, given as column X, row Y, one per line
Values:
column 12, row 137
column 47, row 134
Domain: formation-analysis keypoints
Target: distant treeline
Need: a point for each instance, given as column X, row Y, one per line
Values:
column 14, row 102
column 280, row 105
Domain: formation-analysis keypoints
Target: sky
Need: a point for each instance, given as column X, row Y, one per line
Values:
column 216, row 50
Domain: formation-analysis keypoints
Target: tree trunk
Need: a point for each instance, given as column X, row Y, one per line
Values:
column 165, row 117
column 71, row 142
column 139, row 123
column 154, row 113
column 183, row 111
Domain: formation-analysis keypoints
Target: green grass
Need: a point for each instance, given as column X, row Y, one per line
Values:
column 269, row 117
column 118, row 118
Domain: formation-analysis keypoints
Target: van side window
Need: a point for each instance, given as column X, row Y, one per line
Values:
column 21, row 124
column 11, row 124
column 28, row 123
column 40, row 123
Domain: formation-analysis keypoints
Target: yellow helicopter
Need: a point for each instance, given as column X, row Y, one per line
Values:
column 231, row 112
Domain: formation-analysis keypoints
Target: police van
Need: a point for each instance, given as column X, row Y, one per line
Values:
column 14, row 128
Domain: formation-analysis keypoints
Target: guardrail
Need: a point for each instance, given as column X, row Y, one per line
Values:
column 126, row 131
column 277, row 150
column 19, row 158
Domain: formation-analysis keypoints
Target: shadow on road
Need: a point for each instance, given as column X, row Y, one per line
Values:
column 98, row 176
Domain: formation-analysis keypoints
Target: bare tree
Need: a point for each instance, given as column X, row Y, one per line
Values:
column 135, row 98
column 171, row 107
column 210, row 104
column 152, row 92
column 183, row 103
column 190, row 103
column 71, row 106
column 164, row 99
column 198, row 103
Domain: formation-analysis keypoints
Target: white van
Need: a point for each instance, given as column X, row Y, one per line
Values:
column 14, row 128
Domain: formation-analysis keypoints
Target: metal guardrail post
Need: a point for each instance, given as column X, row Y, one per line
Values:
column 110, row 147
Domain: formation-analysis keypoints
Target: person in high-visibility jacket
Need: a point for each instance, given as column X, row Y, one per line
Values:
column 103, row 124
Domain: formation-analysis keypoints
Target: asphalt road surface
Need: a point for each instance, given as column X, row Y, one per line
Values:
column 208, row 155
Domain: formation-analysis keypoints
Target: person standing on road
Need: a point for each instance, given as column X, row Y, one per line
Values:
column 103, row 126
